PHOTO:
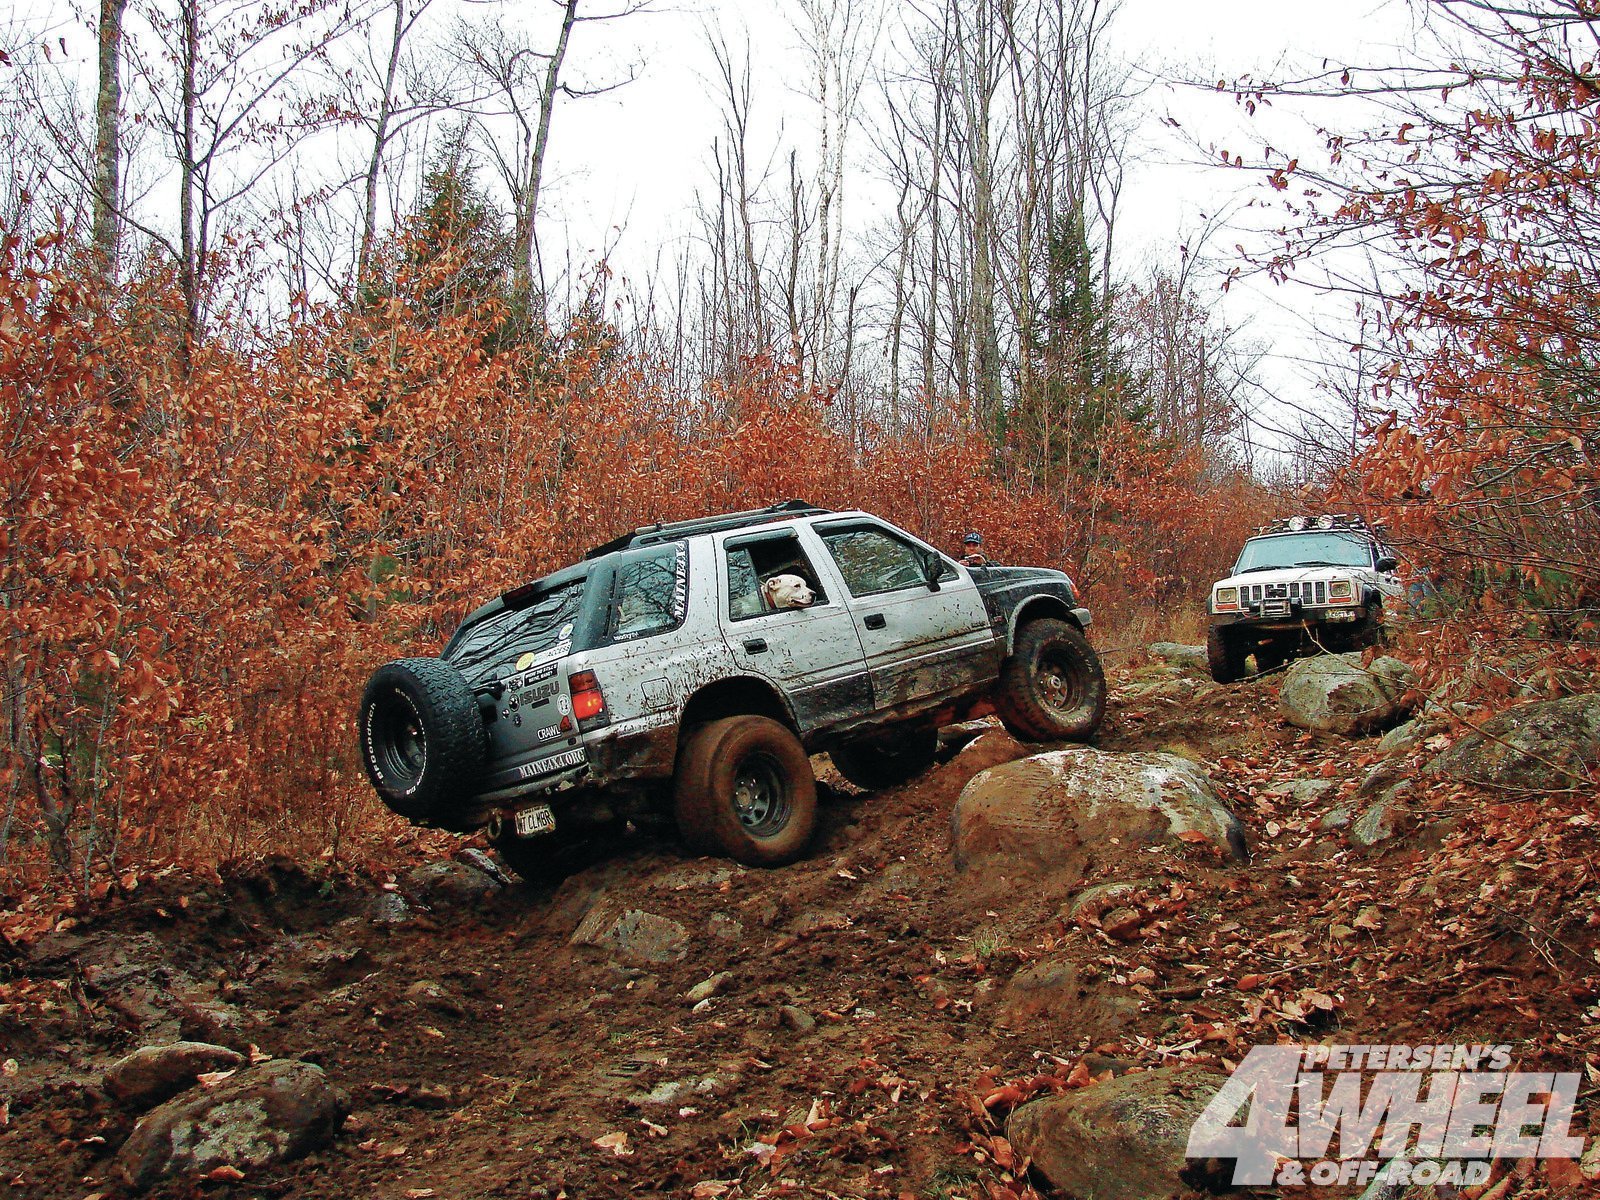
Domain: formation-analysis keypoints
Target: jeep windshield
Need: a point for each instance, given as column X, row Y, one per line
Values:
column 1310, row 549
column 542, row 627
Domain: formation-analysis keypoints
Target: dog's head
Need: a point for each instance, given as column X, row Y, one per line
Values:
column 787, row 591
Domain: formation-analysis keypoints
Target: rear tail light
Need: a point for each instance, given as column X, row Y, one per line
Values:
column 588, row 703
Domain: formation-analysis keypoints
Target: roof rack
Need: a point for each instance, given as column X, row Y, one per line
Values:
column 650, row 535
column 1299, row 524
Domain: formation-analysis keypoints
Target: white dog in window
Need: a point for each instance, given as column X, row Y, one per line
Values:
column 787, row 591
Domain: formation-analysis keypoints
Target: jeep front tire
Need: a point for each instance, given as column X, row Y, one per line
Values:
column 744, row 788
column 1225, row 655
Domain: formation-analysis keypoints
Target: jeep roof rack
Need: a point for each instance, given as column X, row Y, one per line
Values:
column 1323, row 521
column 671, row 531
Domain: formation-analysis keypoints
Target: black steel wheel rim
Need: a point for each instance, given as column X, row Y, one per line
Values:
column 399, row 742
column 1060, row 681
column 761, row 798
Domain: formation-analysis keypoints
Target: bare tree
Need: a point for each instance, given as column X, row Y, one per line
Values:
column 108, row 135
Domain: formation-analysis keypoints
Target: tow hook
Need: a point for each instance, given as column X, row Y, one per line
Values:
column 496, row 827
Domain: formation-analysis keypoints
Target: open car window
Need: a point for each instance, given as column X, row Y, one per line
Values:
column 752, row 561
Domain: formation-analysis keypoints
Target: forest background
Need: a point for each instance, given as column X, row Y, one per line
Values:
column 292, row 375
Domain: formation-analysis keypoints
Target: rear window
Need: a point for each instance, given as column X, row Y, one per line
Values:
column 494, row 647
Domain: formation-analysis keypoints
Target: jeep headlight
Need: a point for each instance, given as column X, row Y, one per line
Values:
column 1341, row 591
column 1226, row 599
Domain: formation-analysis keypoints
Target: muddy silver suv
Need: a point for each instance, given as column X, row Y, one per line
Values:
column 658, row 677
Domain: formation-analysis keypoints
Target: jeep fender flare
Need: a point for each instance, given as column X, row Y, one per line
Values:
column 1032, row 609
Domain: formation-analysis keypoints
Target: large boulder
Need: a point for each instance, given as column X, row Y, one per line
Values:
column 1335, row 693
column 1122, row 1139
column 153, row 1074
column 1179, row 655
column 633, row 936
column 1063, row 811
column 278, row 1111
column 1548, row 744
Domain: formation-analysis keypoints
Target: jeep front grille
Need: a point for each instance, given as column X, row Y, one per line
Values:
column 1307, row 593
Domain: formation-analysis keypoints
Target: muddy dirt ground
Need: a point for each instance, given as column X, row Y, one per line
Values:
column 871, row 1021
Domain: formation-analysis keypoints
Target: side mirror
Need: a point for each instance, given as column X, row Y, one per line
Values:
column 932, row 568
column 1388, row 562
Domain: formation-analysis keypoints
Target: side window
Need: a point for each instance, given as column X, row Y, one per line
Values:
column 753, row 562
column 651, row 594
column 874, row 560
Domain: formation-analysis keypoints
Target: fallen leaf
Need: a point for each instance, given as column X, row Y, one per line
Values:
column 616, row 1142
column 225, row 1174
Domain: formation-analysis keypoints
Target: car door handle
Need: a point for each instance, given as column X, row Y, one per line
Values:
column 873, row 621
column 756, row 645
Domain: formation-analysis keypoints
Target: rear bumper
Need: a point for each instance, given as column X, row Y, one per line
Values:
column 630, row 751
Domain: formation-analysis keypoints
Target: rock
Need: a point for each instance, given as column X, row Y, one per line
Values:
column 1381, row 820
column 1122, row 1139
column 477, row 859
column 1334, row 693
column 425, row 993
column 388, row 908
column 635, row 936
column 1063, row 810
column 153, row 1074
column 819, row 920
column 278, row 1111
column 989, row 749
column 1062, row 995
column 708, row 988
column 1191, row 657
column 1089, row 904
column 1402, row 737
column 1168, row 685
column 452, row 884
column 1303, row 791
column 1549, row 744
column 795, row 1018
column 725, row 928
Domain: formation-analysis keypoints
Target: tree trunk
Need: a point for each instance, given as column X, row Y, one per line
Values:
column 108, row 138
column 527, row 243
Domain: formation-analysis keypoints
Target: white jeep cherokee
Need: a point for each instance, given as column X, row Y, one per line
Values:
column 1303, row 585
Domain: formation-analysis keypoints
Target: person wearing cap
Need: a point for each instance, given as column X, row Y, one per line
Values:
column 972, row 550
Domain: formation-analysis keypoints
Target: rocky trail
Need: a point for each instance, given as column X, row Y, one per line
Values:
column 881, row 1020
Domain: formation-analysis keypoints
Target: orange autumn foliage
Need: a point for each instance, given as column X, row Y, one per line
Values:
column 200, row 570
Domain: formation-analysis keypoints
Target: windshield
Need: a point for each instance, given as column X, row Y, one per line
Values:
column 493, row 647
column 1318, row 548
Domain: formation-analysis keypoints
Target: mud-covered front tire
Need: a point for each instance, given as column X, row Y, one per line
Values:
column 1052, row 687
column 1225, row 655
column 889, row 760
column 423, row 741
column 744, row 788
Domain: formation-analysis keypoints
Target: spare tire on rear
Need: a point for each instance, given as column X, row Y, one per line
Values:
column 423, row 740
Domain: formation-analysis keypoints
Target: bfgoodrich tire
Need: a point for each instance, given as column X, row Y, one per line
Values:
column 1052, row 687
column 423, row 742
column 1225, row 655
column 887, row 761
column 745, row 789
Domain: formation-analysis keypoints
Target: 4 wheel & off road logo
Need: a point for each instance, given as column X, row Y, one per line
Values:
column 1319, row 1115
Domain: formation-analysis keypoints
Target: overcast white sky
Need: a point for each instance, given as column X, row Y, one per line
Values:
column 627, row 165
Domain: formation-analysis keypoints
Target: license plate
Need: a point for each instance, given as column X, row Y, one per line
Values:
column 538, row 819
column 1275, row 608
